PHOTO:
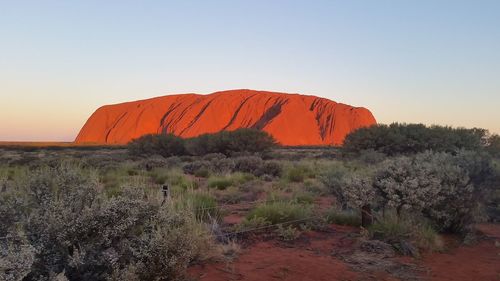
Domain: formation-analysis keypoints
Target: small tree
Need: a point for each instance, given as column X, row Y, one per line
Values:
column 164, row 145
column 406, row 139
column 447, row 189
column 404, row 183
column 357, row 190
column 493, row 146
column 228, row 142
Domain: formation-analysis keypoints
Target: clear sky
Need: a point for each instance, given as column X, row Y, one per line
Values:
column 433, row 62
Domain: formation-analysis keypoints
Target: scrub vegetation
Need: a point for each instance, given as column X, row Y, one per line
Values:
column 152, row 209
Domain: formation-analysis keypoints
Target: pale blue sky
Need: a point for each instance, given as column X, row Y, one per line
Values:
column 435, row 62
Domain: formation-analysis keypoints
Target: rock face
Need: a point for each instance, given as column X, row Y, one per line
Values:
column 291, row 119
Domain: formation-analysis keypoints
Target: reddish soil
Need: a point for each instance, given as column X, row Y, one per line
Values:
column 321, row 256
column 291, row 119
column 480, row 261
column 233, row 218
column 273, row 260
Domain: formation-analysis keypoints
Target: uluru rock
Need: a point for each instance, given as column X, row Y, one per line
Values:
column 292, row 119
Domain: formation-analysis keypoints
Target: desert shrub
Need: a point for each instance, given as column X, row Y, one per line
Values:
column 230, row 250
column 303, row 198
column 220, row 183
column 159, row 176
column 299, row 172
column 248, row 164
column 406, row 183
column 81, row 234
column 203, row 205
column 340, row 217
column 164, row 145
column 358, row 192
column 287, row 233
column 229, row 142
column 187, row 158
column 408, row 235
column 202, row 173
column 252, row 186
column 267, row 178
column 232, row 195
column 222, row 165
column 192, row 167
column 427, row 238
column 315, row 186
column 213, row 156
column 16, row 258
column 114, row 177
column 172, row 177
column 371, row 156
column 447, row 189
column 281, row 212
column 398, row 139
column 252, row 223
column 100, row 162
column 333, row 178
column 295, row 174
column 241, row 178
column 270, row 168
column 439, row 185
column 158, row 161
column 493, row 146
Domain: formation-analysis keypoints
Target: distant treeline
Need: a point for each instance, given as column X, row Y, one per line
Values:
column 225, row 142
column 398, row 139
column 391, row 140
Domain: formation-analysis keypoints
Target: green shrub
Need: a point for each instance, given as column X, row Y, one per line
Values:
column 447, row 189
column 229, row 142
column 287, row 233
column 398, row 139
column 164, row 145
column 241, row 178
column 295, row 174
column 333, row 179
column 343, row 217
column 222, row 165
column 81, row 234
column 271, row 168
column 248, row 164
column 252, row 223
column 202, row 205
column 232, row 195
column 493, row 145
column 202, row 173
column 158, row 161
column 159, row 176
column 303, row 198
column 192, row 167
column 315, row 187
column 371, row 156
column 280, row 212
column 220, row 183
column 408, row 235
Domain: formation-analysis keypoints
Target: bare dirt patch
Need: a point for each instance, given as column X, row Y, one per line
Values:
column 341, row 253
column 480, row 261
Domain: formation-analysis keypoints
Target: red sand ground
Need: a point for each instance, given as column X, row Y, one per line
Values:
column 291, row 118
column 311, row 258
column 480, row 261
column 273, row 260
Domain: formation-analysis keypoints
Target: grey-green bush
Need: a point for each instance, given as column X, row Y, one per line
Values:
column 81, row 234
